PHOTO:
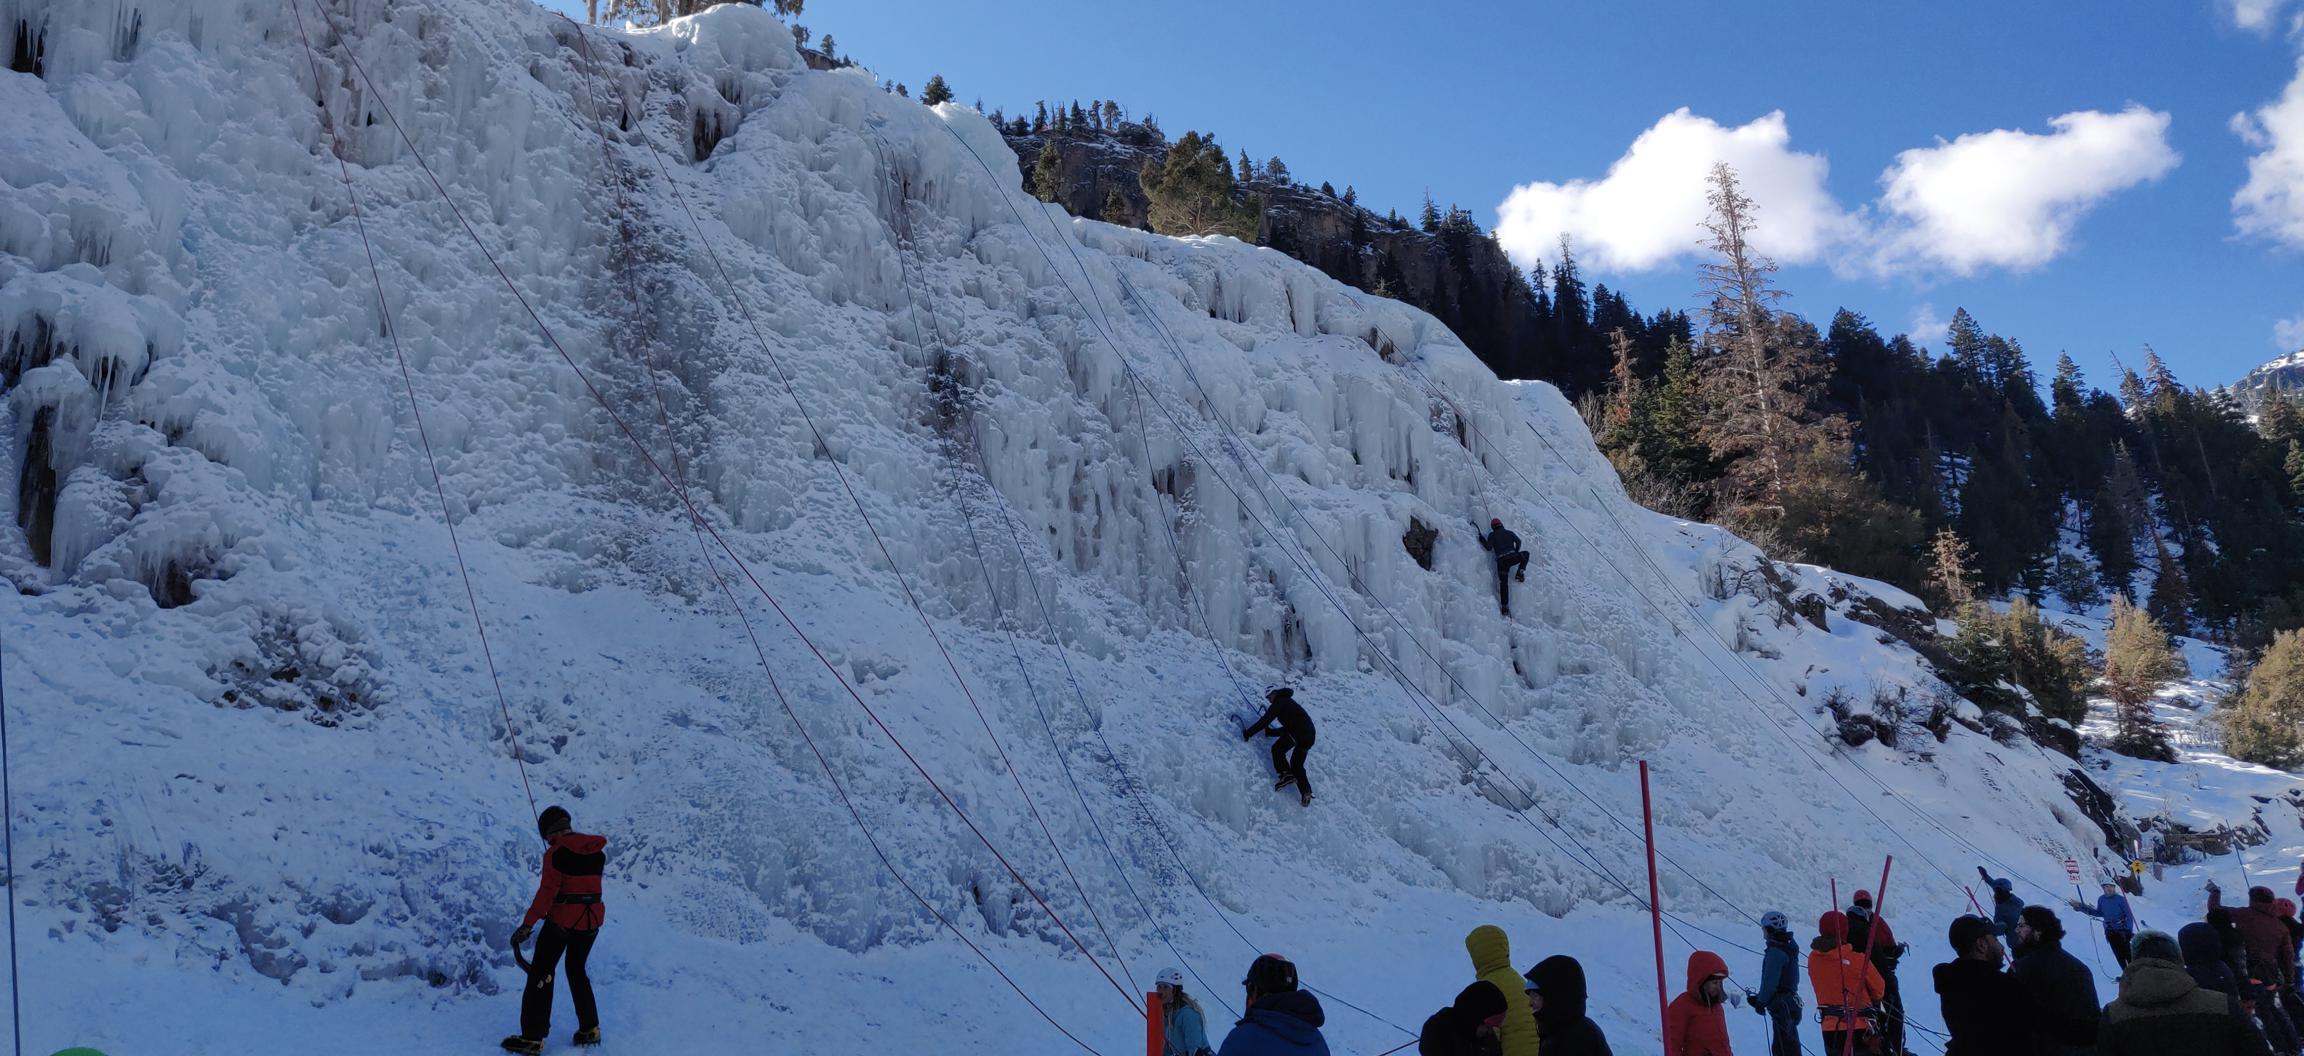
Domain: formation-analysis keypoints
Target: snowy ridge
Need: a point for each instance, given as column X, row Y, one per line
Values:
column 263, row 787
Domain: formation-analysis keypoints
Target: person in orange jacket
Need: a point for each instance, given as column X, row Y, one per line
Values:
column 1697, row 1022
column 1845, row 981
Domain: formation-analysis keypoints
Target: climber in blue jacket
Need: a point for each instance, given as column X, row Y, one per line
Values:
column 2119, row 921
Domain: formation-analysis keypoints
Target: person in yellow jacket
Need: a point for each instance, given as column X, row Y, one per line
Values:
column 1492, row 961
column 1846, row 982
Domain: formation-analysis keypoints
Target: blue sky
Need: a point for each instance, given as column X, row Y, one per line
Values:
column 2111, row 230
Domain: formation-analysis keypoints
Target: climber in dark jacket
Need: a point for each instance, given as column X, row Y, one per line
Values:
column 1280, row 1019
column 2007, row 909
column 1466, row 1028
column 2162, row 1010
column 1556, row 995
column 568, row 904
column 1510, row 560
column 1778, row 997
column 1291, row 725
column 2063, row 989
column 1987, row 1011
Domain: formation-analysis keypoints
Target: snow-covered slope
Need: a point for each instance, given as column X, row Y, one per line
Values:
column 264, row 786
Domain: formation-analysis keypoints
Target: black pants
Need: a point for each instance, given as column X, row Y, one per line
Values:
column 1836, row 1042
column 536, row 1001
column 1506, row 564
column 1891, row 1020
column 2119, row 941
column 1784, row 1026
column 1288, row 758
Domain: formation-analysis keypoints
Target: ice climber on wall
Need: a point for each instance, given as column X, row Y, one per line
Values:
column 1511, row 561
column 568, row 904
column 1291, row 725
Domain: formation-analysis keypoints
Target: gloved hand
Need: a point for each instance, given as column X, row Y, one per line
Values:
column 1759, row 1009
column 1980, row 872
column 520, row 936
column 2212, row 888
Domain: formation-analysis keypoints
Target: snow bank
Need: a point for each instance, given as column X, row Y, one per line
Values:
column 259, row 758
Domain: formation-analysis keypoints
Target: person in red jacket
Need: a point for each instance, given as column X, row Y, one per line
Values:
column 568, row 904
column 1696, row 1024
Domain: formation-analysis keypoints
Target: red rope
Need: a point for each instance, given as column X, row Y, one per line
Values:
column 650, row 459
column 471, row 598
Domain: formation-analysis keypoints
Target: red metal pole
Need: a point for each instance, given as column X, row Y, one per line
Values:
column 1655, row 908
column 1977, row 906
column 1155, row 1024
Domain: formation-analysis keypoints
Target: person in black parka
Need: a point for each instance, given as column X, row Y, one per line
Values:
column 2063, row 989
column 1466, row 1028
column 1291, row 725
column 1511, row 561
column 1556, row 997
column 1987, row 1011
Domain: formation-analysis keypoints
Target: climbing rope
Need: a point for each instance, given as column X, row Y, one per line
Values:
column 415, row 407
column 8, row 869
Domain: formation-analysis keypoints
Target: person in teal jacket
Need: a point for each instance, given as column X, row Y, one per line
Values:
column 1183, row 1028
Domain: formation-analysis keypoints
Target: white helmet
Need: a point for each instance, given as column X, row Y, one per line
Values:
column 1170, row 977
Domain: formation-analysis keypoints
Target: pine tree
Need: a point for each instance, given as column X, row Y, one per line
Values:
column 1111, row 114
column 936, row 92
column 2294, row 465
column 2074, row 583
column 1760, row 373
column 1079, row 117
column 1115, row 207
column 2264, row 723
column 1040, row 117
column 903, row 91
column 2171, row 602
column 1191, row 192
column 1276, row 170
column 825, row 45
column 1046, row 181
column 1327, row 188
column 1247, row 173
column 1351, row 197
column 1429, row 219
column 1951, row 569
column 800, row 35
column 2137, row 662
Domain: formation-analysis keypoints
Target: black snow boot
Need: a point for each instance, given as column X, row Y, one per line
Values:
column 587, row 1036
column 516, row 1043
column 1285, row 781
column 1306, row 796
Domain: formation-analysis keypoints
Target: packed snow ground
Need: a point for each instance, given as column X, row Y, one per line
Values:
column 263, row 789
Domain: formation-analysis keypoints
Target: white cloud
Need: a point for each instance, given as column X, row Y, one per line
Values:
column 2289, row 334
column 2256, row 15
column 1928, row 328
column 2010, row 198
column 2001, row 199
column 1648, row 211
column 2271, row 203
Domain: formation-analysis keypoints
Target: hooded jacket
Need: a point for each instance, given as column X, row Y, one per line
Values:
column 2161, row 1010
column 1455, row 1030
column 2064, row 992
column 1987, row 1011
column 1279, row 1025
column 1562, row 1024
column 1840, row 976
column 1694, row 1026
column 2204, row 961
column 568, row 894
column 2271, row 957
column 1492, row 962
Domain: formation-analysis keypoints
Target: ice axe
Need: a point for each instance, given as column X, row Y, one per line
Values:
column 519, row 958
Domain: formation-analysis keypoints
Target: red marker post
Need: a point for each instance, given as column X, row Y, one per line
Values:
column 1655, row 908
column 1155, row 1025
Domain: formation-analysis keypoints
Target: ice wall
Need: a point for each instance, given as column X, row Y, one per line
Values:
column 259, row 739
